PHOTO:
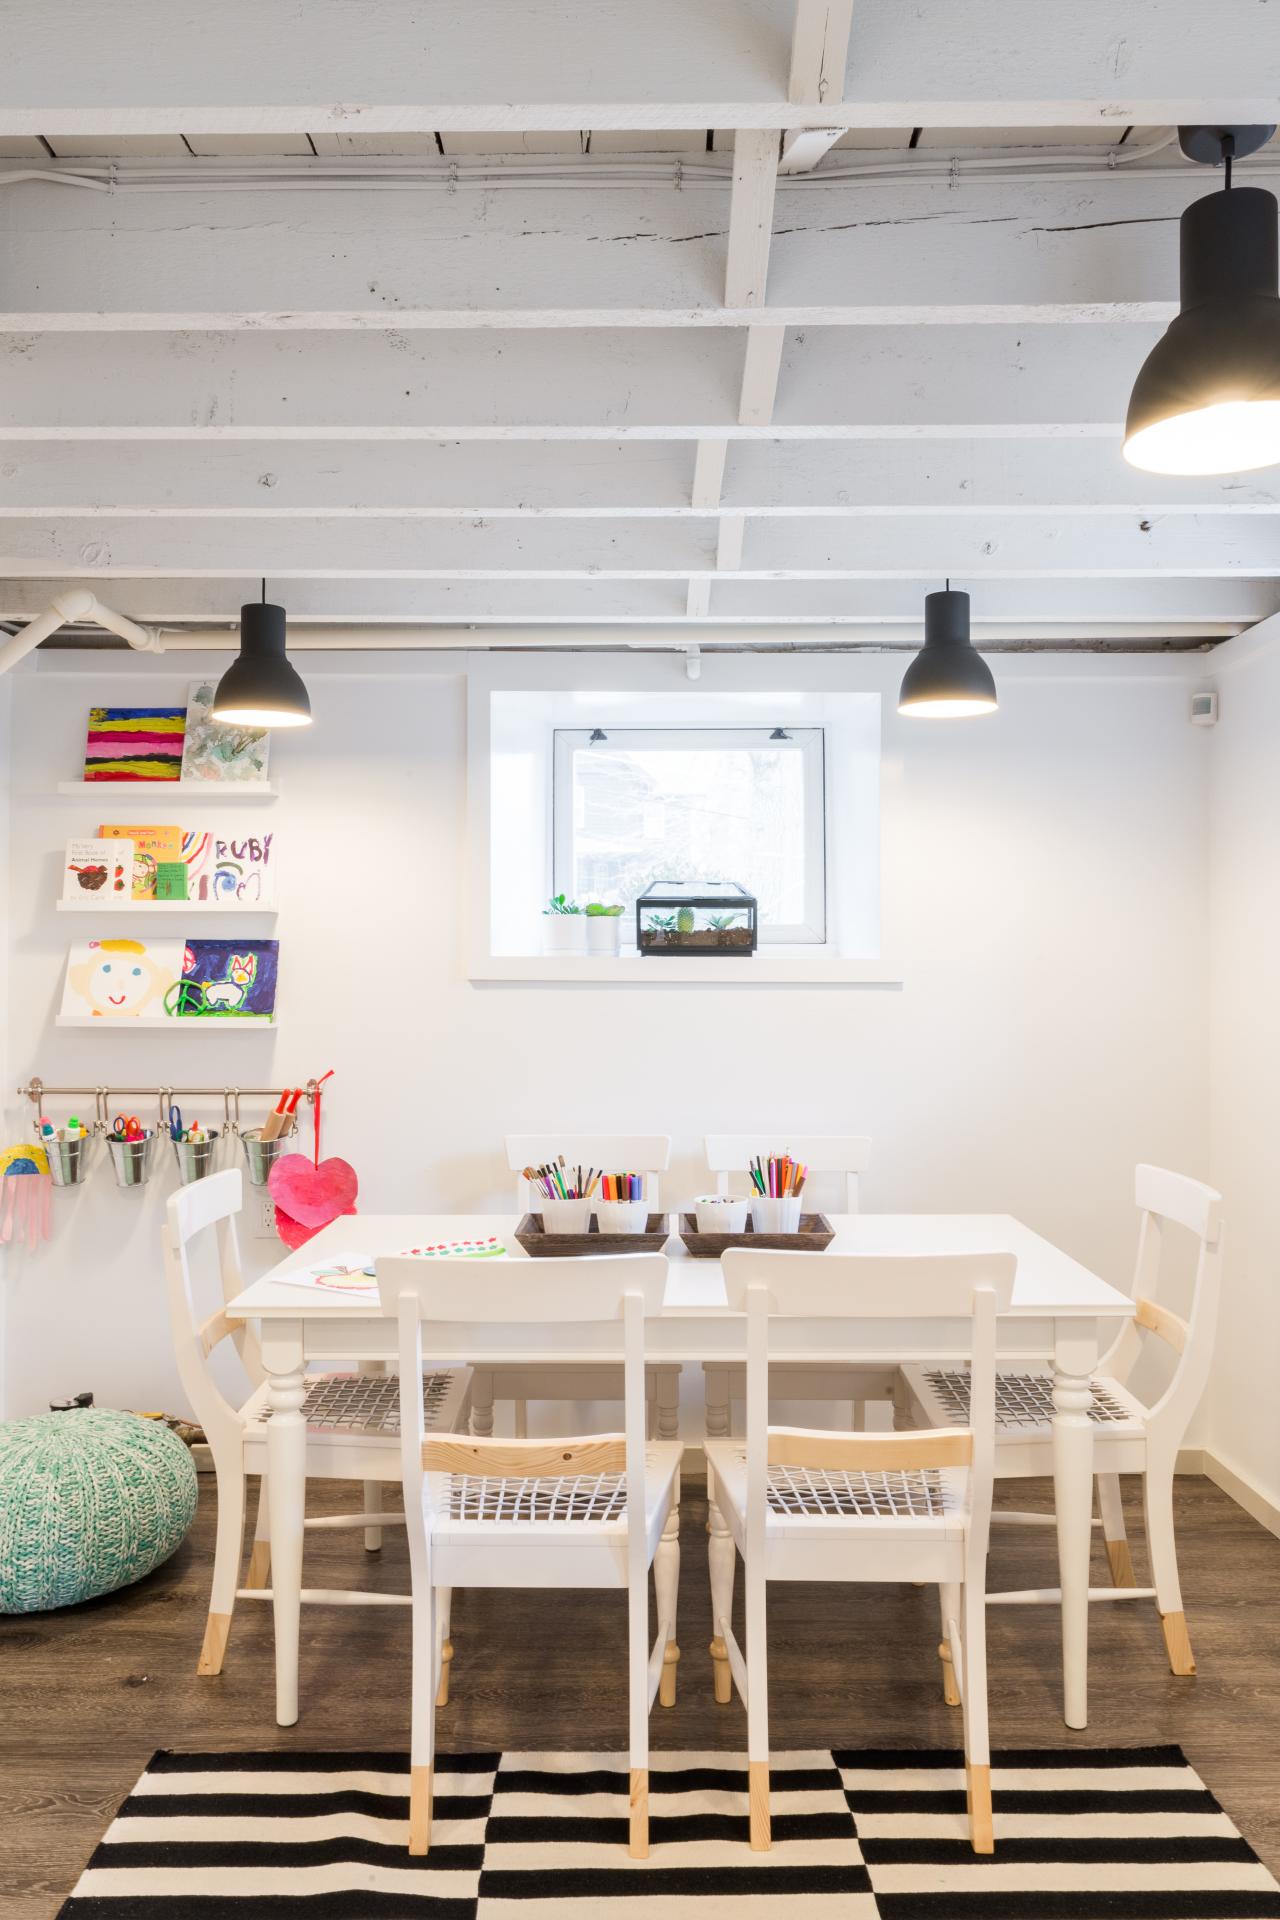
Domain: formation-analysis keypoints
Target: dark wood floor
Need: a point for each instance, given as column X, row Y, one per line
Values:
column 87, row 1695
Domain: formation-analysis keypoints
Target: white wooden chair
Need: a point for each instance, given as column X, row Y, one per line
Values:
column 800, row 1504
column 587, row 1512
column 357, row 1438
column 1128, row 1435
column 729, row 1155
column 648, row 1154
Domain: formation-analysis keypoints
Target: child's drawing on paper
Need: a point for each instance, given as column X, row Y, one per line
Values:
column 227, row 979
column 216, row 750
column 230, row 867
column 121, row 979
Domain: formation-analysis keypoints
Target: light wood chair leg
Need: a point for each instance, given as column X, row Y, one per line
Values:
column 228, row 1548
column 758, row 1792
column 1111, row 1508
column 446, row 1645
column 1158, row 1496
column 949, row 1606
column 259, row 1574
column 373, row 1504
column 422, row 1719
column 722, row 1558
column 978, row 1793
column 638, row 1826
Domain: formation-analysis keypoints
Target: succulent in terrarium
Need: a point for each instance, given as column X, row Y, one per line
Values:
column 723, row 921
column 685, row 920
column 662, row 922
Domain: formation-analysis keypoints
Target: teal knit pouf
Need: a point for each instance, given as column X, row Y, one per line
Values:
column 89, row 1502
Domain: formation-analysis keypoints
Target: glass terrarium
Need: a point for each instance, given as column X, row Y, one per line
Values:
column 696, row 916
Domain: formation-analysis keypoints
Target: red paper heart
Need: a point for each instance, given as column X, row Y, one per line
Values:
column 308, row 1198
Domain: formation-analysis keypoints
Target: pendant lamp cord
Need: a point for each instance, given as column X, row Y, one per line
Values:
column 1228, row 155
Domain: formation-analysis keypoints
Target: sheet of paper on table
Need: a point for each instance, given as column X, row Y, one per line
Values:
column 353, row 1273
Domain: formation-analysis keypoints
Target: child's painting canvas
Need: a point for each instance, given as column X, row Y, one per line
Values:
column 122, row 979
column 98, row 870
column 236, row 868
column 228, row 979
column 134, row 743
column 214, row 751
column 150, row 846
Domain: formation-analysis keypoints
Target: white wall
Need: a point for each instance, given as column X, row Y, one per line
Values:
column 1050, row 1031
column 1244, row 1027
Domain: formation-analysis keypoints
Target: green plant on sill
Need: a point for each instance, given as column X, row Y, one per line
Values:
column 723, row 921
column 661, row 923
column 685, row 920
column 595, row 909
column 558, row 904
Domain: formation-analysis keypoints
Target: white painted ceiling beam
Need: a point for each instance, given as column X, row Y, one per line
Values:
column 488, row 66
column 593, row 479
column 843, row 254
column 1142, row 606
column 923, row 548
column 839, row 383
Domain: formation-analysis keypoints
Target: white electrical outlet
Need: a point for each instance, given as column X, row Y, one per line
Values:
column 264, row 1215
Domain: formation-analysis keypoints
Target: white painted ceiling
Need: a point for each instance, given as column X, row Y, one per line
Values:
column 765, row 313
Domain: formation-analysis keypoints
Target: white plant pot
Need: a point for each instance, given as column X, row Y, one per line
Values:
column 721, row 1213
column 621, row 1216
column 776, row 1216
column 564, row 933
column 604, row 933
column 566, row 1216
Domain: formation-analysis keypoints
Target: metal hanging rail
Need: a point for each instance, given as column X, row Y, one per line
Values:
column 36, row 1091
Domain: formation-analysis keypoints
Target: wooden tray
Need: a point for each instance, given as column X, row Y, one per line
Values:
column 548, row 1246
column 815, row 1232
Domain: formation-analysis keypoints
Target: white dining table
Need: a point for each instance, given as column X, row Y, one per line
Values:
column 1059, row 1311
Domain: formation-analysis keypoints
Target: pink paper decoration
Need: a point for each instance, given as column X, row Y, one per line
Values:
column 308, row 1198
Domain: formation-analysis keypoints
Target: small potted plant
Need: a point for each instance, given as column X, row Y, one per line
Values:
column 604, row 928
column 564, row 926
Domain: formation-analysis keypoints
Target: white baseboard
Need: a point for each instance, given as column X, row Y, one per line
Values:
column 1257, row 1504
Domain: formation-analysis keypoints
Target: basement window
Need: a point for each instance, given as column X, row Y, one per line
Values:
column 632, row 805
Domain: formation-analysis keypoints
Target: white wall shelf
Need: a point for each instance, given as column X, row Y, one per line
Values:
column 129, row 1024
column 215, row 910
column 201, row 790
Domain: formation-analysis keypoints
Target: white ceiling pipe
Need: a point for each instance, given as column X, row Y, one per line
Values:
column 77, row 606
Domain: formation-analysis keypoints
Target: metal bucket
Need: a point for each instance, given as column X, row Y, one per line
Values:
column 68, row 1160
column 261, row 1155
column 194, row 1158
column 131, row 1160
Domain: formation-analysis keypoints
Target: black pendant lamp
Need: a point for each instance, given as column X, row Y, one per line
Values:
column 948, row 679
column 1207, row 399
column 260, row 688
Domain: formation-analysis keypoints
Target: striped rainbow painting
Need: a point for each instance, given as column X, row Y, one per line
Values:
column 134, row 743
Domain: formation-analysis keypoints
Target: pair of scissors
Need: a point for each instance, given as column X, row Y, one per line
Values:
column 126, row 1127
column 175, row 1123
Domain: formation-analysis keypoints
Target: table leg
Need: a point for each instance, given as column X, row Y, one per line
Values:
column 668, row 1408
column 1075, row 1356
column 286, row 1493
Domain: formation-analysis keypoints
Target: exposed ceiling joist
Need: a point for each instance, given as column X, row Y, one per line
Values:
column 1019, row 251
column 571, row 64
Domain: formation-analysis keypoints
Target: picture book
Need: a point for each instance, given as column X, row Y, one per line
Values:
column 134, row 743
column 230, row 866
column 228, row 980
column 215, row 751
column 100, row 870
column 150, row 846
column 122, row 979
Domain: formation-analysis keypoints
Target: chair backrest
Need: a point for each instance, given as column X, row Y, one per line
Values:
column 588, row 1308
column 1165, row 1198
column 846, row 1153
column 648, row 1154
column 967, row 1288
column 202, row 1265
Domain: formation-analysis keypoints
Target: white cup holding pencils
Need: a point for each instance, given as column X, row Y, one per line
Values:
column 566, row 1216
column 721, row 1212
column 621, row 1216
column 776, row 1216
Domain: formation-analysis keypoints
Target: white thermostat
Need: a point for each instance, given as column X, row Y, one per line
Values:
column 1204, row 709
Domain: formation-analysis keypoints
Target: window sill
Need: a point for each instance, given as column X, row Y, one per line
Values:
column 780, row 968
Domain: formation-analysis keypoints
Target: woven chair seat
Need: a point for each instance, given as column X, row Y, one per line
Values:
column 1023, row 1400
column 365, row 1403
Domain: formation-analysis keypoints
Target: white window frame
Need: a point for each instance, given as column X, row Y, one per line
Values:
column 809, row 742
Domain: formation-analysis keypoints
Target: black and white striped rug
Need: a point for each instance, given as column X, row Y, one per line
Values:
column 1092, row 1834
